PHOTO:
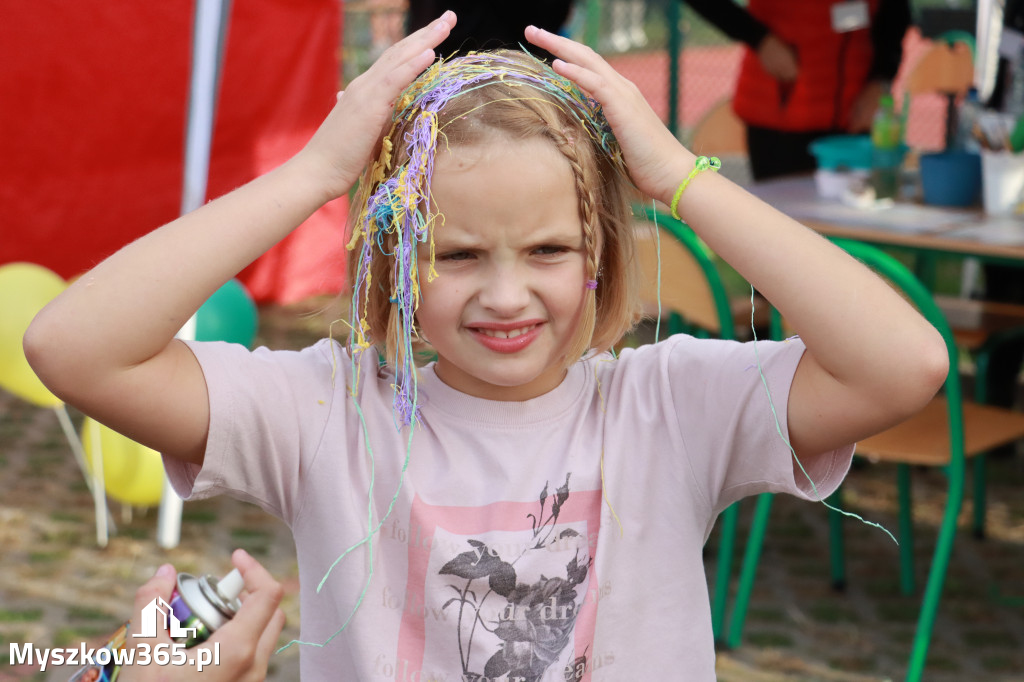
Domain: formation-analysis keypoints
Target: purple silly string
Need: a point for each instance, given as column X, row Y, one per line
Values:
column 400, row 205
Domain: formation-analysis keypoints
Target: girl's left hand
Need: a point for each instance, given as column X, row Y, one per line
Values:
column 656, row 160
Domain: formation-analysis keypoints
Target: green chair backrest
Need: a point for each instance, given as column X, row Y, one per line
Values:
column 690, row 284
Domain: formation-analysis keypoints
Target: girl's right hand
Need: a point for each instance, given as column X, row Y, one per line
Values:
column 656, row 160
column 341, row 147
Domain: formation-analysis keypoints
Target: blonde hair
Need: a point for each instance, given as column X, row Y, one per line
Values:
column 500, row 107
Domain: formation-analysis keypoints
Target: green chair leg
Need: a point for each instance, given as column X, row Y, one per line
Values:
column 980, row 497
column 906, row 524
column 676, row 324
column 727, row 541
column 749, row 569
column 936, row 578
column 836, row 545
column 981, row 364
column 925, row 267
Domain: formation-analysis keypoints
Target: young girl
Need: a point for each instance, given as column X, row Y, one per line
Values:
column 510, row 511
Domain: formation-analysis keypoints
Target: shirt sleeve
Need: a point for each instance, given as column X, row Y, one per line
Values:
column 268, row 413
column 732, row 20
column 731, row 401
column 887, row 30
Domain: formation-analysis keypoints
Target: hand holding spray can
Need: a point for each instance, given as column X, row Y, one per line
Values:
column 198, row 607
column 202, row 605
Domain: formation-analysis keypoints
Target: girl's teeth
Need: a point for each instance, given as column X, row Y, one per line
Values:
column 506, row 335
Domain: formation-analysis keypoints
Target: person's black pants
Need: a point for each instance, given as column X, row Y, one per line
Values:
column 1004, row 284
column 778, row 152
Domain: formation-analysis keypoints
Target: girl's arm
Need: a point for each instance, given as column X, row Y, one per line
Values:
column 106, row 345
column 871, row 360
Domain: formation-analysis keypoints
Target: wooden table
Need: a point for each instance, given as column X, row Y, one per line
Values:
column 914, row 226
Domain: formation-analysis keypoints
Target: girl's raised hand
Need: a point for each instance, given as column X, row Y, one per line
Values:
column 657, row 162
column 342, row 145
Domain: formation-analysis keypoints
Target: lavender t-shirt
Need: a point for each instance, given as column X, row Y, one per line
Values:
column 502, row 556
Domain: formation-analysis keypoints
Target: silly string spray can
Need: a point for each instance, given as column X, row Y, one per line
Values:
column 198, row 607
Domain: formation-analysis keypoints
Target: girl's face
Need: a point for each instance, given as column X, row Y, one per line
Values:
column 510, row 259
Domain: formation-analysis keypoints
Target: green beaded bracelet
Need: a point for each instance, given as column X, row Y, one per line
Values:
column 703, row 163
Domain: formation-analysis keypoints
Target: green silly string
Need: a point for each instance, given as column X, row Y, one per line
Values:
column 657, row 250
column 778, row 429
column 764, row 382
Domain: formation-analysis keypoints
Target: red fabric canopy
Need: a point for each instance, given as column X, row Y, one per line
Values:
column 93, row 97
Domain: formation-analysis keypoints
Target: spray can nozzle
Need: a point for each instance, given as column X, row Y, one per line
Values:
column 230, row 586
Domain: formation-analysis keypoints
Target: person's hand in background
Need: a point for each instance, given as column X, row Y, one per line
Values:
column 865, row 106
column 778, row 59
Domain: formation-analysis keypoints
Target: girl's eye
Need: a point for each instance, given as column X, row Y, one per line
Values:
column 549, row 250
column 455, row 256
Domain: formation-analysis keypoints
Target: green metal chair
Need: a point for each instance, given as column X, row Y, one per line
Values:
column 691, row 290
column 945, row 434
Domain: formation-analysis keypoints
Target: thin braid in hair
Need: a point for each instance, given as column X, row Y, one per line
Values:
column 590, row 218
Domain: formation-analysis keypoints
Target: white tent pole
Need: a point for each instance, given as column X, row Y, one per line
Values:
column 209, row 31
column 208, row 36
column 988, row 33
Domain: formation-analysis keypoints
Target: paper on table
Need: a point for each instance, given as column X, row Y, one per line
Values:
column 797, row 198
column 907, row 218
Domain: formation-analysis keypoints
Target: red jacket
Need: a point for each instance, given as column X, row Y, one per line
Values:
column 833, row 69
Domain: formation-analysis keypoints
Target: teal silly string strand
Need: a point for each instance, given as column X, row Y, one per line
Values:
column 372, row 530
column 657, row 247
column 778, row 429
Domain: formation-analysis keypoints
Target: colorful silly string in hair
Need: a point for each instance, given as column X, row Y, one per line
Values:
column 398, row 216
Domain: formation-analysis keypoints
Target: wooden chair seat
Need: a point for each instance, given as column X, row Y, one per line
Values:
column 740, row 307
column 685, row 289
column 924, row 438
column 973, row 322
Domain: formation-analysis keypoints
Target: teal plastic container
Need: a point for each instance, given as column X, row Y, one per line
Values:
column 842, row 152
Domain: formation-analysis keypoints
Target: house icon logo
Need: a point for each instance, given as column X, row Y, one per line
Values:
column 158, row 614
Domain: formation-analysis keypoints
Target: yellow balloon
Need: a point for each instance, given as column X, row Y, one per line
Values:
column 24, row 289
column 132, row 473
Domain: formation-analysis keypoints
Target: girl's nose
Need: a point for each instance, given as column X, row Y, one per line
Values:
column 505, row 292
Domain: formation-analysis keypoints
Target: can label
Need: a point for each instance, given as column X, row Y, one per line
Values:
column 194, row 628
column 177, row 617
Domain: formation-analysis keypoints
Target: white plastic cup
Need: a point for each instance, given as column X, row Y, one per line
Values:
column 1002, row 180
column 833, row 184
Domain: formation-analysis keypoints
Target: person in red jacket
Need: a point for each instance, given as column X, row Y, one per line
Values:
column 812, row 68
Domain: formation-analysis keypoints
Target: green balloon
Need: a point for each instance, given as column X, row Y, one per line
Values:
column 229, row 315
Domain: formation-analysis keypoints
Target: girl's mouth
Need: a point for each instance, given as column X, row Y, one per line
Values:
column 509, row 340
